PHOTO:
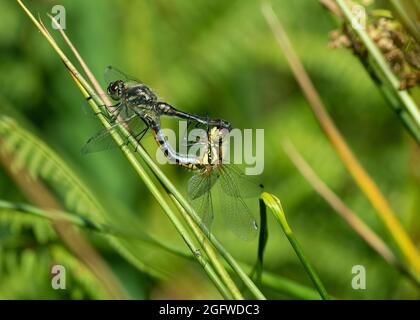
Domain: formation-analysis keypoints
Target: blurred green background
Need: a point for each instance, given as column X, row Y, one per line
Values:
column 217, row 58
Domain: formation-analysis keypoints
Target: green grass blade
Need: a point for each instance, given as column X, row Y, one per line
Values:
column 274, row 204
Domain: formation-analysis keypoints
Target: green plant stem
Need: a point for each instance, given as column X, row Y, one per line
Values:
column 184, row 203
column 223, row 252
column 293, row 289
column 89, row 224
column 407, row 120
column 410, row 25
column 166, row 208
column 274, row 204
column 210, row 252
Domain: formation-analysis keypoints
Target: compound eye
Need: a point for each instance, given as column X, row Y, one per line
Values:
column 111, row 88
column 114, row 90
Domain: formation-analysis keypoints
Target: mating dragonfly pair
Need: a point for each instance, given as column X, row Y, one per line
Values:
column 138, row 108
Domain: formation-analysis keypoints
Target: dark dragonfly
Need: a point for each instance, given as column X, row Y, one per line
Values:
column 215, row 183
column 138, row 108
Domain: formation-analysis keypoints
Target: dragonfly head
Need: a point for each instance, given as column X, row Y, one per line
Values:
column 115, row 89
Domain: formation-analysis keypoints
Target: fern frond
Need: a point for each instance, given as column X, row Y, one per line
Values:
column 18, row 223
column 29, row 247
column 78, row 274
column 27, row 272
column 31, row 152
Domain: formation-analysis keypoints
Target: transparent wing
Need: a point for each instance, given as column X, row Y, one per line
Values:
column 200, row 184
column 236, row 213
column 103, row 139
column 199, row 193
column 112, row 74
column 242, row 185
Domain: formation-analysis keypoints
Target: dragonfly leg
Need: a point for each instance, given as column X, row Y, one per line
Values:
column 118, row 108
column 140, row 136
column 111, row 116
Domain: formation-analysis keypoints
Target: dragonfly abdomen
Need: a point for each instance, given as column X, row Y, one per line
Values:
column 184, row 160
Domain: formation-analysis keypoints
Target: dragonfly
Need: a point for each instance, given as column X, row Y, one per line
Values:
column 215, row 184
column 138, row 108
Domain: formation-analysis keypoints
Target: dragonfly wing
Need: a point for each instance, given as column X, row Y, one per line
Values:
column 245, row 186
column 103, row 139
column 199, row 192
column 237, row 215
column 200, row 184
column 112, row 74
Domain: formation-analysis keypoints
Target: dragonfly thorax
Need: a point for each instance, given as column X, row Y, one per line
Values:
column 213, row 156
column 140, row 95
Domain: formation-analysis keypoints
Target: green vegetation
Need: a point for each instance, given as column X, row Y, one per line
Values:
column 122, row 225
